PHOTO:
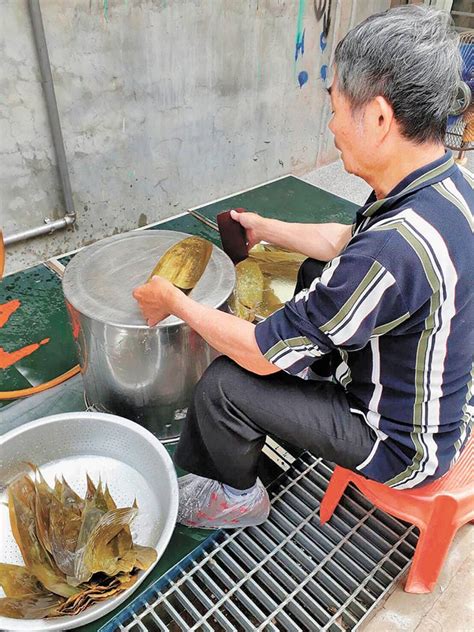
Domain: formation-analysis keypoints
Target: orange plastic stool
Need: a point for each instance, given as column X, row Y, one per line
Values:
column 438, row 510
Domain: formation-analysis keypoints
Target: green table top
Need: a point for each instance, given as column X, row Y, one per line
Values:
column 40, row 316
column 289, row 199
column 43, row 314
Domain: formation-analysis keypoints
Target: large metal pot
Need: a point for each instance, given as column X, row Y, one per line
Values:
column 144, row 373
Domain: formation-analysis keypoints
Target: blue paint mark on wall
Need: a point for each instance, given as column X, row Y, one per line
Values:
column 299, row 48
column 302, row 78
column 299, row 43
column 322, row 10
column 323, row 41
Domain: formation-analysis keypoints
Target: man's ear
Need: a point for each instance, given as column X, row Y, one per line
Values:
column 379, row 116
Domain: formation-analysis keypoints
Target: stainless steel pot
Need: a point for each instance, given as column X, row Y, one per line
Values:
column 144, row 373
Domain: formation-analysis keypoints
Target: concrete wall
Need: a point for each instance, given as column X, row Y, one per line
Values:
column 164, row 105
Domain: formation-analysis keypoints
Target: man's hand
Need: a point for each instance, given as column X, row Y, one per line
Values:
column 224, row 332
column 154, row 299
column 319, row 241
column 253, row 225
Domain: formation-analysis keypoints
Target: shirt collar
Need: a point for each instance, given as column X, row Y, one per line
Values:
column 423, row 177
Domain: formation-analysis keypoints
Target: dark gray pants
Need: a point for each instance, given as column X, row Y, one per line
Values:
column 233, row 410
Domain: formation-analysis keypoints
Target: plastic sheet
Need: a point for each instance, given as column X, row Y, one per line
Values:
column 203, row 503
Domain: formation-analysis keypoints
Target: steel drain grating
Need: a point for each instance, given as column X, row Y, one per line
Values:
column 290, row 574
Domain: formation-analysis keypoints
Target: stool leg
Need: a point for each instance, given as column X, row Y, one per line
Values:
column 336, row 487
column 430, row 553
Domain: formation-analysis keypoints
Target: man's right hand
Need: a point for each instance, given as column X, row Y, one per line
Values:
column 253, row 224
column 318, row 241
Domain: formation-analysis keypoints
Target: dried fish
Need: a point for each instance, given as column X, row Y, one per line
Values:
column 184, row 263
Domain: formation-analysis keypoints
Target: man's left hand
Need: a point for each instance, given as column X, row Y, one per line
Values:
column 154, row 299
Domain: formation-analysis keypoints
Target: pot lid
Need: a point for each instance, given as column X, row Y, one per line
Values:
column 100, row 279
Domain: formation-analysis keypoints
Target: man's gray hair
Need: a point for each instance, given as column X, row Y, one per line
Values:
column 410, row 56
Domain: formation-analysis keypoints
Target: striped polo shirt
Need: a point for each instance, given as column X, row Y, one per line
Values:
column 396, row 307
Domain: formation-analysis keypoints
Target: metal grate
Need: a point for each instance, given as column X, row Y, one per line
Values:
column 289, row 574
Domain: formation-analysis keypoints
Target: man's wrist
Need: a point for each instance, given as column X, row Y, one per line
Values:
column 270, row 230
column 262, row 227
column 173, row 298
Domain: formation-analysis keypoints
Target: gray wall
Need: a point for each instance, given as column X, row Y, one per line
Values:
column 164, row 105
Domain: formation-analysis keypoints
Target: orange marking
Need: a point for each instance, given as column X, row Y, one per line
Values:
column 76, row 326
column 7, row 309
column 7, row 358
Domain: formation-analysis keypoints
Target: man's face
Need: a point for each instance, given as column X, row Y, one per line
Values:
column 350, row 137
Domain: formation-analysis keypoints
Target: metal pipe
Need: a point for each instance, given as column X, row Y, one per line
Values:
column 69, row 218
column 50, row 226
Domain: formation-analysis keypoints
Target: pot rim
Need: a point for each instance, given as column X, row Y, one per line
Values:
column 229, row 277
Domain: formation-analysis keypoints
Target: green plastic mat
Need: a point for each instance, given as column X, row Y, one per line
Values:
column 41, row 316
column 289, row 199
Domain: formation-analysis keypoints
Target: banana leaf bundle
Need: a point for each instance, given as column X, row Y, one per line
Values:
column 184, row 263
column 265, row 281
column 248, row 292
column 77, row 552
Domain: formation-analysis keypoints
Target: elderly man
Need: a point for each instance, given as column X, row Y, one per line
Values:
column 390, row 315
